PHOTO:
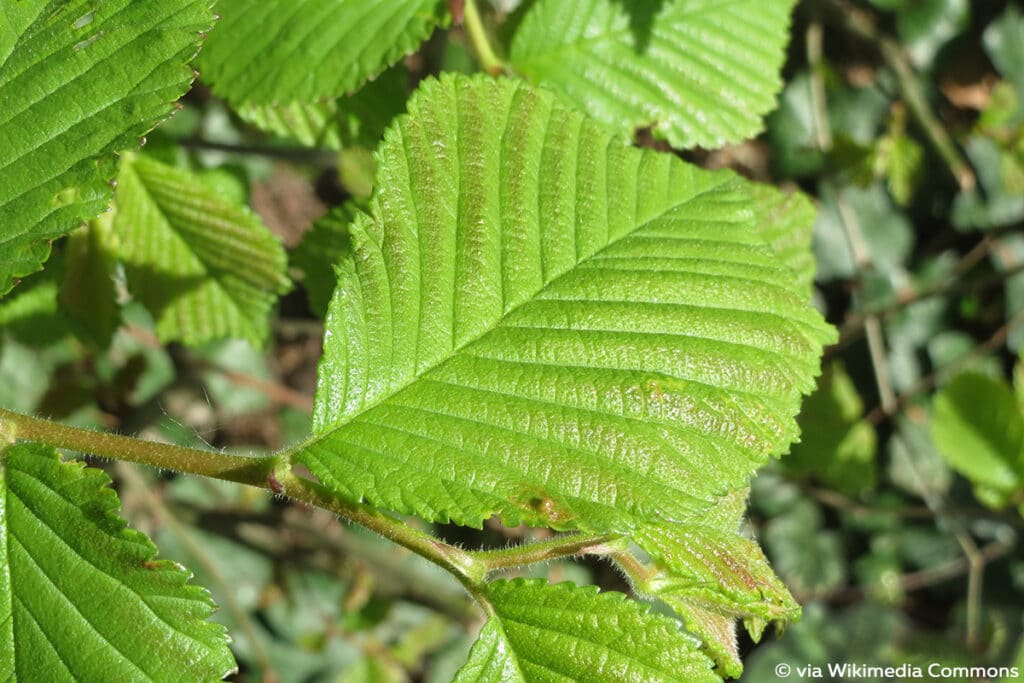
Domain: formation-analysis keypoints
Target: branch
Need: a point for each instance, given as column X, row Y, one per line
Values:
column 926, row 383
column 861, row 24
column 241, row 469
column 489, row 61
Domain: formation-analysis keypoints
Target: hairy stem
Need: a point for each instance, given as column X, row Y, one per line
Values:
column 544, row 551
column 237, row 468
column 275, row 474
column 265, row 472
column 462, row 564
column 489, row 61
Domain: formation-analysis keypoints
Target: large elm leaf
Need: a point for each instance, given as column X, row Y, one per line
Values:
column 564, row 632
column 79, row 80
column 275, row 52
column 538, row 321
column 698, row 72
column 204, row 266
column 81, row 596
column 786, row 222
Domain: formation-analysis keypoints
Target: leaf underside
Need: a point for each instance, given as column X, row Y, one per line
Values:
column 711, row 576
column 80, row 80
column 81, row 597
column 205, row 267
column 563, row 632
column 270, row 52
column 698, row 72
column 540, row 322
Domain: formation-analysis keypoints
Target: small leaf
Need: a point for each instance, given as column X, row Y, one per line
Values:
column 204, row 267
column 837, row 445
column 546, row 324
column 277, row 53
column 541, row 632
column 712, row 576
column 699, row 72
column 80, row 80
column 979, row 429
column 81, row 596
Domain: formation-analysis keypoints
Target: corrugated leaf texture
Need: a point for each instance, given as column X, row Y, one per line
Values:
column 565, row 632
column 79, row 80
column 712, row 575
column 278, row 52
column 540, row 322
column 81, row 597
column 697, row 72
column 204, row 266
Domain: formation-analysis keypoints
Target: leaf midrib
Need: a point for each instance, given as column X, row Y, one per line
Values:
column 290, row 453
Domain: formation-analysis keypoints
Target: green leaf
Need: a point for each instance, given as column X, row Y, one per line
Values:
column 1004, row 43
column 358, row 119
column 81, row 597
column 310, row 50
column 323, row 246
column 809, row 558
column 87, row 292
column 786, row 222
column 699, row 72
column 978, row 427
column 80, row 80
column 548, row 325
column 564, row 632
column 205, row 267
column 711, row 576
column 837, row 445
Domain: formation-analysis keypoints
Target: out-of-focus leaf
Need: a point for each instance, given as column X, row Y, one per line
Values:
column 924, row 26
column 1004, row 43
column 837, row 446
column 914, row 463
column 87, row 292
column 1008, row 254
column 320, row 251
column 792, row 131
column 887, row 232
column 978, row 427
column 999, row 173
column 809, row 559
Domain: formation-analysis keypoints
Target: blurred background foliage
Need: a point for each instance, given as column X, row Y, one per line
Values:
column 896, row 521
